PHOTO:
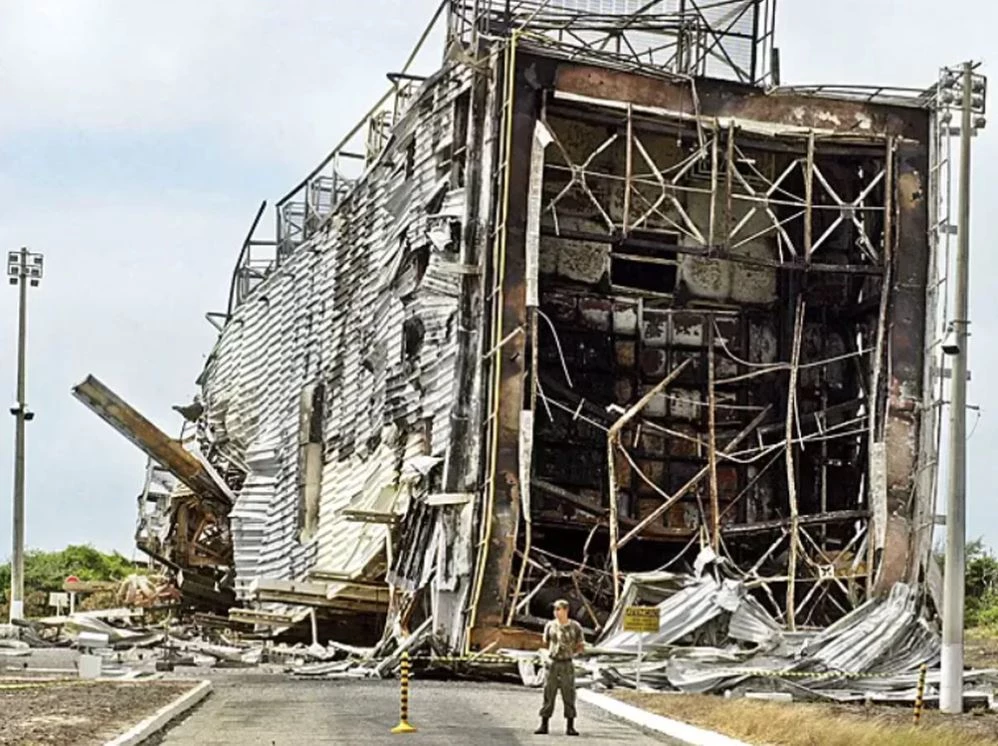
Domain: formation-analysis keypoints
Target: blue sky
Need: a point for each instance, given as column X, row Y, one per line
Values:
column 137, row 140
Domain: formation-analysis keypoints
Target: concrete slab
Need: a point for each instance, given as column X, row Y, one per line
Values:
column 162, row 717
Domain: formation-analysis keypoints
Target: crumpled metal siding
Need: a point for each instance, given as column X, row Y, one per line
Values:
column 886, row 638
column 260, row 396
column 334, row 312
column 249, row 517
column 683, row 612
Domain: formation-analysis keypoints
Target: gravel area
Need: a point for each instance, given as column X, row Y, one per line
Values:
column 76, row 713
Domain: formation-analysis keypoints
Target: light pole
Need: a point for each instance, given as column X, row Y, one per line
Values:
column 24, row 268
column 971, row 90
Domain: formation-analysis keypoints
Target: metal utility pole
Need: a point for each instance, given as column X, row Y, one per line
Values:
column 23, row 267
column 951, row 690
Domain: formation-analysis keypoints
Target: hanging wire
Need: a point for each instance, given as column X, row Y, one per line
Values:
column 557, row 342
column 977, row 422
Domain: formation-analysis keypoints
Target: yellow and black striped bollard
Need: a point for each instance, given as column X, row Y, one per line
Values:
column 920, row 693
column 404, row 726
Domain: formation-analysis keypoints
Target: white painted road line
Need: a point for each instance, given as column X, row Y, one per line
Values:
column 688, row 734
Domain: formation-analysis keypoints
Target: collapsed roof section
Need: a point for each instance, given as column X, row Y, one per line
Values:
column 566, row 311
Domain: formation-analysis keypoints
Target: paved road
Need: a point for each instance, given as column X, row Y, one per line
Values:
column 273, row 711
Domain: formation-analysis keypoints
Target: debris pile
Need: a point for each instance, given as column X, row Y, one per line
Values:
column 714, row 637
column 537, row 324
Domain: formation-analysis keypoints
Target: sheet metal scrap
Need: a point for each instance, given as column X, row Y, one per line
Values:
column 875, row 650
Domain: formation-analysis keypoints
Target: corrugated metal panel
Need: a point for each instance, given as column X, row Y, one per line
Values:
column 335, row 312
column 249, row 518
column 886, row 638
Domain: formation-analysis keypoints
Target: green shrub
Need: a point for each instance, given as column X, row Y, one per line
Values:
column 44, row 572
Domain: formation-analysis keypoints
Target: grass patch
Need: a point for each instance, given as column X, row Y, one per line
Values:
column 799, row 724
column 981, row 647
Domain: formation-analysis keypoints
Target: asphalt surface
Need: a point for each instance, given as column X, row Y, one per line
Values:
column 252, row 709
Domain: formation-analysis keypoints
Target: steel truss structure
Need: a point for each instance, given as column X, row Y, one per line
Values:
column 730, row 39
column 723, row 38
column 592, row 299
column 706, row 346
column 791, row 203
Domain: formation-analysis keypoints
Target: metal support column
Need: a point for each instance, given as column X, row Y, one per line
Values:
column 23, row 267
column 951, row 690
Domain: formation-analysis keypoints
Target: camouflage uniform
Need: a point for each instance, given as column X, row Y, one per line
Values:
column 562, row 641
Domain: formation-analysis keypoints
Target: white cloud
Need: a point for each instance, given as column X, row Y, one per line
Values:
column 287, row 78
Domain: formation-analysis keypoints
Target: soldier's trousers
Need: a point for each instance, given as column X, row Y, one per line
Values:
column 561, row 678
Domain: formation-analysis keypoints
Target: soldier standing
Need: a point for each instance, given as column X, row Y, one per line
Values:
column 564, row 640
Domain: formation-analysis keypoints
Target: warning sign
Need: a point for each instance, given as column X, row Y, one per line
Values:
column 640, row 619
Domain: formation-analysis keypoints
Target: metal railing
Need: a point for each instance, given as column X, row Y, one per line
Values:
column 729, row 39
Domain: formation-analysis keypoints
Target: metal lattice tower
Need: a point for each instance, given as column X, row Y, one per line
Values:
column 727, row 39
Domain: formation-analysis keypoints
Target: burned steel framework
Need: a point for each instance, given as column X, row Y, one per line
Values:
column 589, row 300
column 704, row 330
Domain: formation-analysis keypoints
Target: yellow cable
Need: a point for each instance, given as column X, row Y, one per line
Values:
column 498, row 256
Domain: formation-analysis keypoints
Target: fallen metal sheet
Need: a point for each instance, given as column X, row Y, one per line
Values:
column 658, row 589
column 876, row 650
column 682, row 613
column 750, row 622
column 881, row 636
column 74, row 624
column 230, row 654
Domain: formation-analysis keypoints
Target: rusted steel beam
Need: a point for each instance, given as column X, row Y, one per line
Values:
column 810, row 422
column 567, row 497
column 340, row 577
column 907, row 323
column 501, row 637
column 496, row 558
column 651, row 534
column 722, row 99
column 719, row 252
column 842, row 145
column 579, row 503
column 152, row 441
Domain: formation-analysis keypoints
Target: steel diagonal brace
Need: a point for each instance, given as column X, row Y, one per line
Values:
column 655, row 514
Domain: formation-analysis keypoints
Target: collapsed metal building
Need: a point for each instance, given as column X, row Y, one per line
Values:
column 594, row 296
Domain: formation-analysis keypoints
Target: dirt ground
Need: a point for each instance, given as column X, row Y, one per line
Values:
column 78, row 714
column 799, row 724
